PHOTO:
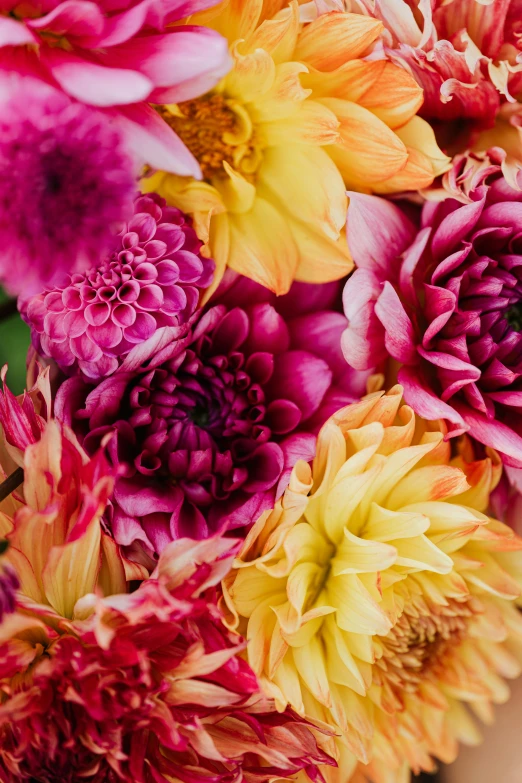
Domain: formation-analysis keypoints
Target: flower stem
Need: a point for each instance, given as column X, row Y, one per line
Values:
column 11, row 483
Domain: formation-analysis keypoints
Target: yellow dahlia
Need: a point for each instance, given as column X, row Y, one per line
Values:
column 298, row 118
column 378, row 596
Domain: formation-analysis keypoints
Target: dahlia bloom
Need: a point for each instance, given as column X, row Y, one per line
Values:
column 119, row 58
column 150, row 280
column 465, row 54
column 378, row 597
column 101, row 684
column 208, row 427
column 445, row 302
column 66, row 183
column 297, row 108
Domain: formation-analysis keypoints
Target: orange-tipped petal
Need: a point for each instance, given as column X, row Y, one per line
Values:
column 369, row 151
column 334, row 38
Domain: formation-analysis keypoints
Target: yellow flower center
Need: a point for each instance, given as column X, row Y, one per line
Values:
column 421, row 641
column 216, row 130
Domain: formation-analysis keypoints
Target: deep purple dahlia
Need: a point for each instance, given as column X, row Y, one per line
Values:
column 445, row 300
column 150, row 280
column 209, row 426
column 66, row 183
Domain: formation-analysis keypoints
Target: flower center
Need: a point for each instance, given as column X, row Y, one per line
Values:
column 514, row 316
column 420, row 642
column 216, row 130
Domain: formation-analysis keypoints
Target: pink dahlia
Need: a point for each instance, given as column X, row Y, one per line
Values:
column 445, row 301
column 208, row 427
column 151, row 280
column 66, row 183
column 120, row 57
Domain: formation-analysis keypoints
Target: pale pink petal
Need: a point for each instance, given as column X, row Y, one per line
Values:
column 95, row 84
column 13, row 33
column 378, row 232
column 152, row 140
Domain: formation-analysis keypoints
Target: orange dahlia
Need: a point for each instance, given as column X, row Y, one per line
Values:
column 379, row 597
column 300, row 116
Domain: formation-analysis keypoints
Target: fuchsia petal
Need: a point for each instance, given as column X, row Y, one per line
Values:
column 72, row 18
column 399, row 333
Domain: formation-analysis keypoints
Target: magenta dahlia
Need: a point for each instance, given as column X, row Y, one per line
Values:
column 445, row 301
column 66, row 184
column 208, row 427
column 151, row 280
column 122, row 57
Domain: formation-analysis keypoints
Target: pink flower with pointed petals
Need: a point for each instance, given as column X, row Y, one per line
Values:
column 445, row 301
column 120, row 57
column 208, row 427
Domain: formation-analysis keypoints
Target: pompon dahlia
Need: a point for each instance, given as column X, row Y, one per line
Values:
column 301, row 105
column 378, row 597
column 120, row 57
column 446, row 302
column 151, row 280
column 103, row 685
column 66, row 184
column 208, row 427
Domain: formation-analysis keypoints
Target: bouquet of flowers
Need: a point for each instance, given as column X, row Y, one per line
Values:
column 260, row 496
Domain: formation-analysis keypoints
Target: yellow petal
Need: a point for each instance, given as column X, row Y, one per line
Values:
column 277, row 36
column 428, row 483
column 112, row 578
column 321, row 260
column 312, row 123
column 232, row 18
column 415, row 175
column 334, row 38
column 219, row 244
column 71, row 570
column 283, row 97
column 252, row 75
column 237, row 193
column 418, row 135
column 359, row 555
column 307, row 186
column 369, row 151
column 262, row 247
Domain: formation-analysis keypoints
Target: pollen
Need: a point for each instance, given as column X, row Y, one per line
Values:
column 215, row 130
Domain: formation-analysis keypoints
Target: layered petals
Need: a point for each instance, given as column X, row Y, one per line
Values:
column 369, row 594
column 302, row 104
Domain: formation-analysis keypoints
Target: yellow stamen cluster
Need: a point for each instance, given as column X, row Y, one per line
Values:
column 216, row 130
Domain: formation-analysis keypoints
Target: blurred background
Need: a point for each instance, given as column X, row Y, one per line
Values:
column 14, row 342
